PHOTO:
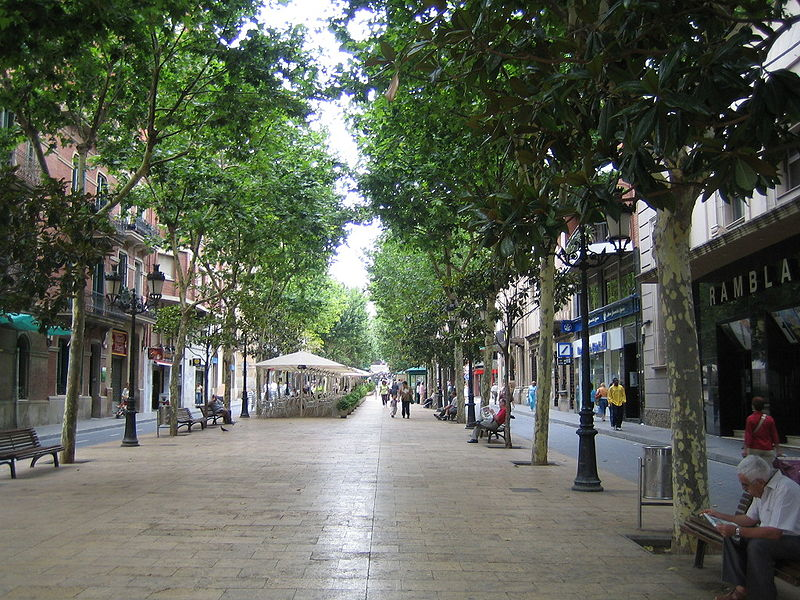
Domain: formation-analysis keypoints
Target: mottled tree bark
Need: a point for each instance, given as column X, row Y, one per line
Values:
column 488, row 353
column 69, row 425
column 175, row 375
column 458, row 368
column 689, row 466
column 544, row 362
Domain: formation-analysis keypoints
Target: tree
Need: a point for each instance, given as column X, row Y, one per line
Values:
column 144, row 76
column 678, row 96
column 348, row 341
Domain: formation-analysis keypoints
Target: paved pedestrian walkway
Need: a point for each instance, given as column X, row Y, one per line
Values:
column 366, row 507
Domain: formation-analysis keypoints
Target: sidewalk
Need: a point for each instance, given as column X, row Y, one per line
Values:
column 363, row 508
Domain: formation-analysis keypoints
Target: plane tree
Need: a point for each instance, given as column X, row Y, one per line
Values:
column 686, row 104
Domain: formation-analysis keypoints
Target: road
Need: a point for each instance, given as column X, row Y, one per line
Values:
column 621, row 457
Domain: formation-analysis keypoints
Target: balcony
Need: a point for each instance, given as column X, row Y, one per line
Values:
column 136, row 226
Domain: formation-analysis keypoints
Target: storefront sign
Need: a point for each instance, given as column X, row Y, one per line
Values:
column 155, row 353
column 612, row 312
column 753, row 281
column 119, row 342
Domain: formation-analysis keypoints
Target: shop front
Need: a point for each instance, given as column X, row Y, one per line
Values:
column 749, row 322
column 613, row 350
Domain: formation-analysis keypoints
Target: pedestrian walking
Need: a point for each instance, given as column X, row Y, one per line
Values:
column 422, row 391
column 532, row 396
column 384, row 392
column 601, row 399
column 616, row 402
column 760, row 433
column 393, row 400
column 406, row 396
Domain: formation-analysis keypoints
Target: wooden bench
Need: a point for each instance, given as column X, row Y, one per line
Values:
column 186, row 419
column 21, row 444
column 209, row 417
column 698, row 527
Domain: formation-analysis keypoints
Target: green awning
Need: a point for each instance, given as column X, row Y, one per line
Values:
column 26, row 322
column 417, row 371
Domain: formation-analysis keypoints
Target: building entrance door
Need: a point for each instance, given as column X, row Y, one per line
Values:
column 734, row 351
column 630, row 381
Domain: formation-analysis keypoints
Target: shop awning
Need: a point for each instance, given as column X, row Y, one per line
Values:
column 26, row 322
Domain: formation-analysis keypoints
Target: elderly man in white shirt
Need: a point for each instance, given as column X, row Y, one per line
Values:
column 768, row 532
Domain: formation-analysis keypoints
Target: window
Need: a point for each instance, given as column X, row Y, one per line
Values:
column 792, row 171
column 137, row 282
column 23, row 366
column 78, row 182
column 6, row 118
column 101, row 198
column 122, row 268
column 62, row 366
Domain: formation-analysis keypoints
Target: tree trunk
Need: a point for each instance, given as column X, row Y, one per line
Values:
column 544, row 361
column 507, row 386
column 488, row 354
column 69, row 426
column 175, row 373
column 689, row 466
column 458, row 373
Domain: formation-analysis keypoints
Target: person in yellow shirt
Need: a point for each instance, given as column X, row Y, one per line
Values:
column 616, row 403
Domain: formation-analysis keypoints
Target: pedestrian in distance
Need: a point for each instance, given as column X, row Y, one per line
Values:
column 532, row 396
column 601, row 399
column 384, row 392
column 760, row 433
column 422, row 391
column 392, row 404
column 406, row 396
column 616, row 402
column 768, row 532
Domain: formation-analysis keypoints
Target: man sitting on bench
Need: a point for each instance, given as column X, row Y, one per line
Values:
column 490, row 423
column 768, row 532
column 216, row 407
column 448, row 412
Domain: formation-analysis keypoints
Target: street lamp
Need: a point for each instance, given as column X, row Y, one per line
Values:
column 128, row 302
column 245, row 400
column 584, row 259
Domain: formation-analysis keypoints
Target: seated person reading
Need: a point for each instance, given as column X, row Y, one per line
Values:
column 489, row 423
column 768, row 532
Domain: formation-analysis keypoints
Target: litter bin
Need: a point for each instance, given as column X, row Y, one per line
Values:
column 657, row 479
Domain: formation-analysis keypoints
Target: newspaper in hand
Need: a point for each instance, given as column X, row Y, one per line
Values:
column 717, row 521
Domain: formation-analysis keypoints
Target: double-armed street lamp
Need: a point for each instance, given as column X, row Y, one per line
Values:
column 128, row 302
column 585, row 258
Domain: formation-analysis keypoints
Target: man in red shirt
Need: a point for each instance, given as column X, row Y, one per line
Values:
column 760, row 433
column 490, row 424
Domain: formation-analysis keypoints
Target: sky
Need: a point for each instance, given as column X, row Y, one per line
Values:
column 348, row 265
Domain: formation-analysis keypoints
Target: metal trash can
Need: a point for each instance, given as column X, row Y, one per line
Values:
column 657, row 480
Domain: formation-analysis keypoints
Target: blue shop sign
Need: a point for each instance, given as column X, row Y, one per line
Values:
column 612, row 312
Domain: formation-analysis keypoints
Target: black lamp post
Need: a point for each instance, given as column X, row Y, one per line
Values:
column 245, row 400
column 128, row 302
column 470, row 397
column 584, row 259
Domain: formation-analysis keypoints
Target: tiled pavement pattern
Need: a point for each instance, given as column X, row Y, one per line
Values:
column 366, row 507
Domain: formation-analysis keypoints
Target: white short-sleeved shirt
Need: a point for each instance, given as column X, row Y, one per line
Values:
column 779, row 505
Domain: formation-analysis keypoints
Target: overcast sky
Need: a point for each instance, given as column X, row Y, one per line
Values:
column 348, row 265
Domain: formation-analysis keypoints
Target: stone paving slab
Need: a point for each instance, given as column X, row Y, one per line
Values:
column 363, row 508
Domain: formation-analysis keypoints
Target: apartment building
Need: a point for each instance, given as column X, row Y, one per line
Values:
column 33, row 367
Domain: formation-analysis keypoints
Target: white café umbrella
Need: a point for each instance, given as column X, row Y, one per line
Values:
column 301, row 361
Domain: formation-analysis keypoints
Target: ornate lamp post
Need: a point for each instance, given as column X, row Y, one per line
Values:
column 128, row 302
column 245, row 400
column 584, row 259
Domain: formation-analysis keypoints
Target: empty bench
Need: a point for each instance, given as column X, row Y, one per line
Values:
column 21, row 444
